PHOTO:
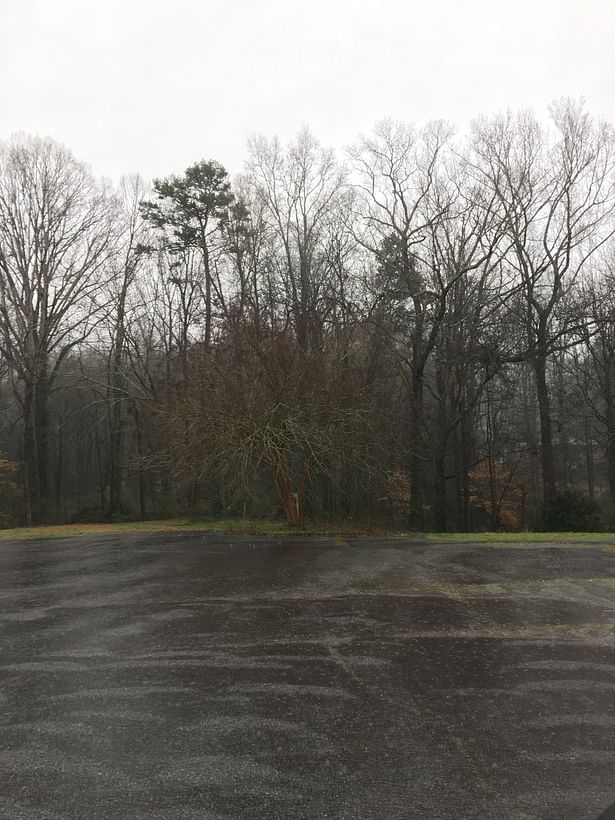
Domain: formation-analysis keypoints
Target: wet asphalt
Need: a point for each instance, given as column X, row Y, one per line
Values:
column 207, row 676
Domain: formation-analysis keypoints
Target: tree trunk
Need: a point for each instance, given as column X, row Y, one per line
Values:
column 589, row 459
column 466, row 455
column 546, row 430
column 115, row 414
column 59, row 471
column 42, row 435
column 292, row 502
column 439, row 502
column 115, row 455
column 439, row 499
column 208, row 296
column 416, row 463
column 29, row 457
column 610, row 456
column 35, row 446
column 610, row 443
column 140, row 450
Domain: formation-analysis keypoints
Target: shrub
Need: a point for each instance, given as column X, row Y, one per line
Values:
column 572, row 511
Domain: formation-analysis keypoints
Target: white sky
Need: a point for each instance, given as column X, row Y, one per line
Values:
column 155, row 85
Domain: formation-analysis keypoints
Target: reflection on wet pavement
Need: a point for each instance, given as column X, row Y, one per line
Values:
column 201, row 676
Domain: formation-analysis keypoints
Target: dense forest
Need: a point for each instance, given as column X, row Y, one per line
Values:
column 417, row 332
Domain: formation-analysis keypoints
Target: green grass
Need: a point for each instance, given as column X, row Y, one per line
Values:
column 67, row 530
column 239, row 526
column 519, row 537
column 279, row 529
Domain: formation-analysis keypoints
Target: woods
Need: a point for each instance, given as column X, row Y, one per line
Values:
column 416, row 332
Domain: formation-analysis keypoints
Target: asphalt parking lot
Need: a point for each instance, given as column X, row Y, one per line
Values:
column 207, row 676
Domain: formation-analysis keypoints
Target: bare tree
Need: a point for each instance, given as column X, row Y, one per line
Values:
column 56, row 238
column 555, row 192
column 426, row 235
column 593, row 367
column 302, row 188
column 132, row 237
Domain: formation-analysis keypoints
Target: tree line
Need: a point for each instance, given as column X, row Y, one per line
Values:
column 419, row 332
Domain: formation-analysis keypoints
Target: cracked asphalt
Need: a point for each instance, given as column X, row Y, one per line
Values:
column 216, row 677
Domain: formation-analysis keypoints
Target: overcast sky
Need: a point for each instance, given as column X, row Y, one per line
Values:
column 155, row 85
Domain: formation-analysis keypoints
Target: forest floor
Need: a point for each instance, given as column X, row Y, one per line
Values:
column 183, row 674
